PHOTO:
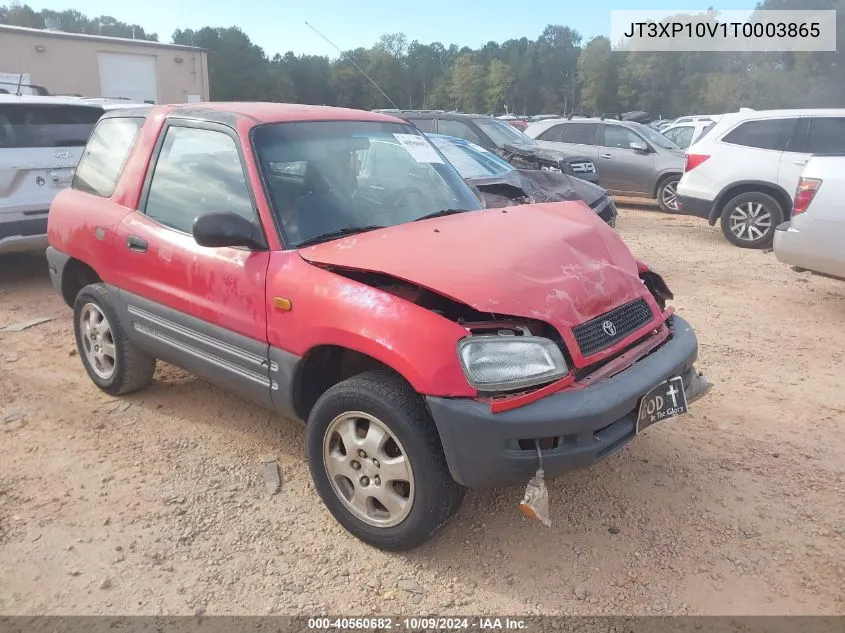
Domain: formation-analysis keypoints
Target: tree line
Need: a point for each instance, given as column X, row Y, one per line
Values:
column 555, row 73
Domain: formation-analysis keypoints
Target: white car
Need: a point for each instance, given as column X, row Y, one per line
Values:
column 685, row 134
column 41, row 141
column 813, row 239
column 744, row 171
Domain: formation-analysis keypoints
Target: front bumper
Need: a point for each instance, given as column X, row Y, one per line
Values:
column 698, row 207
column 483, row 449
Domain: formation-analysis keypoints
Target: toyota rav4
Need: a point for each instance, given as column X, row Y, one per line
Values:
column 429, row 344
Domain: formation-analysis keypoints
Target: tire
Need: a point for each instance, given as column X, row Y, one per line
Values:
column 362, row 406
column 126, row 368
column 756, row 235
column 667, row 194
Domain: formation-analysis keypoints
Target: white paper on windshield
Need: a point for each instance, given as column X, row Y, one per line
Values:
column 418, row 148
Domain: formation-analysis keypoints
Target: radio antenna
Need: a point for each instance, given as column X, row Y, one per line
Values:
column 352, row 61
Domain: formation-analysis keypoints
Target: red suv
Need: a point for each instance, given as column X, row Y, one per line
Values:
column 332, row 265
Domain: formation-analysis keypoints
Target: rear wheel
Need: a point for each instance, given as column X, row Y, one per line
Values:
column 667, row 194
column 113, row 362
column 377, row 463
column 749, row 220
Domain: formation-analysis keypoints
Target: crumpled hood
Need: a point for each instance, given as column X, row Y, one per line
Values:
column 546, row 153
column 557, row 262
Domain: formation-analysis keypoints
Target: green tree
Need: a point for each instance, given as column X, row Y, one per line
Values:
column 237, row 68
column 598, row 77
column 500, row 80
column 468, row 83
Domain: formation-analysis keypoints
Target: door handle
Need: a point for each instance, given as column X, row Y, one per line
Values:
column 605, row 155
column 135, row 243
column 800, row 162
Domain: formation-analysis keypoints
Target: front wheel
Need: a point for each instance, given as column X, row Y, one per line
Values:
column 377, row 463
column 749, row 220
column 667, row 194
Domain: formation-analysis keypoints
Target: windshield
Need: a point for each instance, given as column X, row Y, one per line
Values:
column 502, row 133
column 654, row 136
column 469, row 159
column 330, row 177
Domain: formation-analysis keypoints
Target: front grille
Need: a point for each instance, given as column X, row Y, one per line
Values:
column 585, row 167
column 602, row 332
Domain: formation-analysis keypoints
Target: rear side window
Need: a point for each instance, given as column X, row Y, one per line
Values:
column 106, row 154
column 552, row 134
column 580, row 133
column 46, row 125
column 771, row 134
column 827, row 135
column 197, row 171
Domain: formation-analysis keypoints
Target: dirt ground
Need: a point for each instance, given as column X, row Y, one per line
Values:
column 154, row 503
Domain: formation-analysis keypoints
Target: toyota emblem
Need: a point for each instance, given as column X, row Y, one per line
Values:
column 609, row 328
column 63, row 154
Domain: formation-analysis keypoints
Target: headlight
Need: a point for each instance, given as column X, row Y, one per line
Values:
column 507, row 363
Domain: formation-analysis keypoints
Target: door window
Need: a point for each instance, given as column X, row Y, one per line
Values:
column 198, row 171
column 619, row 137
column 771, row 134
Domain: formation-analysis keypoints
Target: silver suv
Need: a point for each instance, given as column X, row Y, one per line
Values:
column 633, row 159
column 41, row 141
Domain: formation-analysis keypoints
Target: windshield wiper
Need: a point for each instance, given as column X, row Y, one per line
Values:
column 349, row 230
column 441, row 213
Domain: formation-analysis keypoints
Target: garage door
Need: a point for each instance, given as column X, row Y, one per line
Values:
column 128, row 76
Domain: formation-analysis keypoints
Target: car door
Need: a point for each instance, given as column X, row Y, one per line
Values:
column 198, row 307
column 621, row 168
column 573, row 138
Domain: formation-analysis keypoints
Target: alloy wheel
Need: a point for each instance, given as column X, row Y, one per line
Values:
column 97, row 340
column 670, row 195
column 368, row 469
column 750, row 221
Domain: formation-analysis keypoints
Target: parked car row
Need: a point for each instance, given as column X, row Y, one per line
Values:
column 503, row 140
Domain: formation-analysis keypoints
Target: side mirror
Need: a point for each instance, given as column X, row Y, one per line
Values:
column 642, row 148
column 227, row 229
